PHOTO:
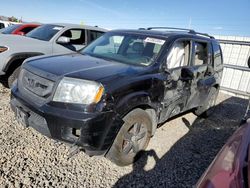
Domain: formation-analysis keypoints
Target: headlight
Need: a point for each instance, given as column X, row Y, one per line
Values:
column 71, row 90
column 3, row 49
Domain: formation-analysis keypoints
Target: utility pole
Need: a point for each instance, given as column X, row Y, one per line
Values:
column 190, row 23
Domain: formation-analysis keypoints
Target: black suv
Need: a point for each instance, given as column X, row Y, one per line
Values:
column 109, row 98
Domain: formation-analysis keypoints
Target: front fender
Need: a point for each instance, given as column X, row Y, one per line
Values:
column 19, row 56
column 133, row 100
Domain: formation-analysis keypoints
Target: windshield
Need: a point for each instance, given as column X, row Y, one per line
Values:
column 10, row 29
column 44, row 32
column 126, row 48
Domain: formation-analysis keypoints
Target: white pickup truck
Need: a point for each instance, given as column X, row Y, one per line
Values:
column 4, row 24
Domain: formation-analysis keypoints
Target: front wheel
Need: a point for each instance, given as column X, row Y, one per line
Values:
column 132, row 138
column 208, row 108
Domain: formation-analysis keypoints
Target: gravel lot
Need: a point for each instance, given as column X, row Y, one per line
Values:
column 177, row 156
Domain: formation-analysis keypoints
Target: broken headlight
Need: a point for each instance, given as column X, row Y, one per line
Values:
column 3, row 49
column 78, row 91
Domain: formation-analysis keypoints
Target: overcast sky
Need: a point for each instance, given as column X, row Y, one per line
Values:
column 225, row 17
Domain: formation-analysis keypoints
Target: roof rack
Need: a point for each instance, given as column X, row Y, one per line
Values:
column 191, row 31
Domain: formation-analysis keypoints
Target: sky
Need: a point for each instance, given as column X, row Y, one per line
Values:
column 221, row 17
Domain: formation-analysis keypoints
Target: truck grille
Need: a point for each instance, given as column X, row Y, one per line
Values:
column 35, row 84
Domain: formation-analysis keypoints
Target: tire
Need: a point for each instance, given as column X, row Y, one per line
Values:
column 13, row 77
column 208, row 108
column 132, row 138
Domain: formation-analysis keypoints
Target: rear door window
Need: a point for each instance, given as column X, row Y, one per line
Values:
column 201, row 53
column 95, row 34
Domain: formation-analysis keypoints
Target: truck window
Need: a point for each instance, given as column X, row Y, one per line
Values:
column 77, row 36
column 1, row 25
column 112, row 46
column 95, row 34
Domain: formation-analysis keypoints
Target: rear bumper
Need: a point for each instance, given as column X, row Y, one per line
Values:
column 94, row 132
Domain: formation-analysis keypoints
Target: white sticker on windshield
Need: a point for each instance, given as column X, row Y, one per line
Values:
column 57, row 28
column 154, row 40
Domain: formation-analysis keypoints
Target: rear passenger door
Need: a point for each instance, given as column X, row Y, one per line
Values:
column 177, row 90
column 203, row 73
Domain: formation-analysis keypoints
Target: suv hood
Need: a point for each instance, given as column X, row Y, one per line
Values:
column 12, row 41
column 79, row 66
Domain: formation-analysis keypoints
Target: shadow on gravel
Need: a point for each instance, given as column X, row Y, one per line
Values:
column 189, row 157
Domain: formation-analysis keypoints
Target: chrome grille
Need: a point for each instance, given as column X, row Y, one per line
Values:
column 37, row 85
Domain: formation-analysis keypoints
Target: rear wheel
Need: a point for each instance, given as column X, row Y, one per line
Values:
column 13, row 77
column 132, row 138
column 208, row 108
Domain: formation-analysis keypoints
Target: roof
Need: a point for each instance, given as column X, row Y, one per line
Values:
column 165, row 34
column 80, row 26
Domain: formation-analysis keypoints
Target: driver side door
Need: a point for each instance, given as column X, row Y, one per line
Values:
column 177, row 87
column 77, row 41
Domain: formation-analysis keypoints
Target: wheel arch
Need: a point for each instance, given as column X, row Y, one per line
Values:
column 217, row 86
column 139, row 100
column 17, row 59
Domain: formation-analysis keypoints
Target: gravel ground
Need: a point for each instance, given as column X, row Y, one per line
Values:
column 176, row 157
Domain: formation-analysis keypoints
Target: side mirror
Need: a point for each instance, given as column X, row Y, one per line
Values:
column 249, row 62
column 63, row 40
column 187, row 74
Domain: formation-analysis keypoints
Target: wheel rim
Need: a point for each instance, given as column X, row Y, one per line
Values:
column 212, row 101
column 135, row 139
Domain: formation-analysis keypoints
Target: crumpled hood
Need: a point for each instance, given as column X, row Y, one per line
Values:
column 80, row 66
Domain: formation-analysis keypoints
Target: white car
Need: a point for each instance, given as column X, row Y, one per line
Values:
column 4, row 24
column 48, row 39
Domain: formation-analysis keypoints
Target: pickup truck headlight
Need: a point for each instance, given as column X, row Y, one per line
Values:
column 3, row 49
column 71, row 90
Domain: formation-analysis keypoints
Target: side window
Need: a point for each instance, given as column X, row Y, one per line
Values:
column 217, row 54
column 77, row 36
column 179, row 54
column 1, row 25
column 27, row 29
column 109, row 45
column 95, row 34
column 201, row 53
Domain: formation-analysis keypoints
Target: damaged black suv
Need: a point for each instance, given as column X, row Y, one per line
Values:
column 109, row 98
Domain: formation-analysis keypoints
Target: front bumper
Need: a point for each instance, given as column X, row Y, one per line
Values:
column 94, row 132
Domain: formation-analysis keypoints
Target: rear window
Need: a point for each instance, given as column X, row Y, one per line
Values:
column 217, row 54
column 10, row 29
